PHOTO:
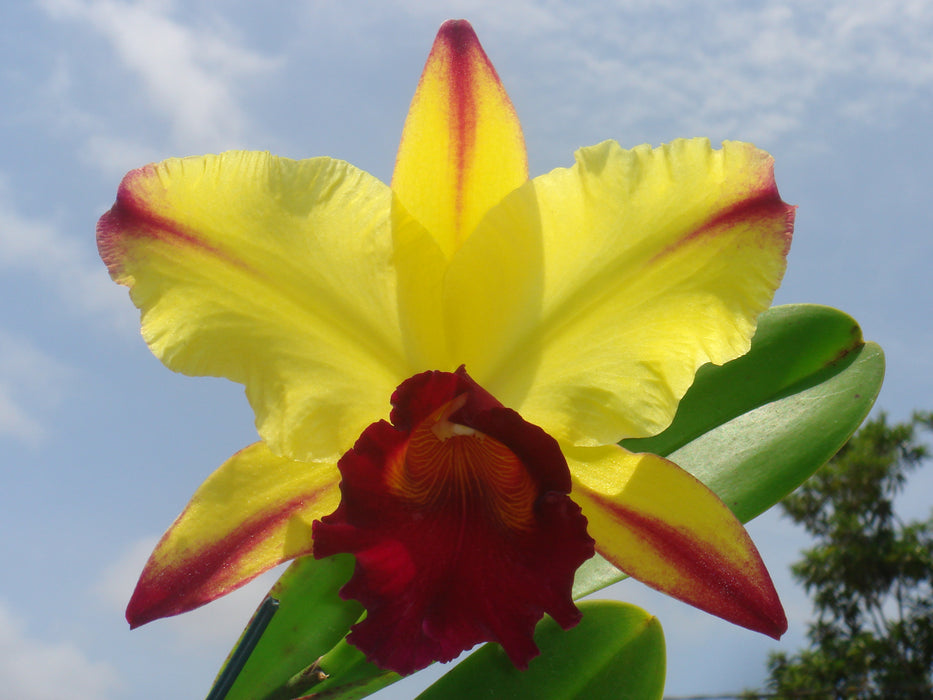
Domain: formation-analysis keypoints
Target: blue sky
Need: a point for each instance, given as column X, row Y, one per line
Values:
column 103, row 446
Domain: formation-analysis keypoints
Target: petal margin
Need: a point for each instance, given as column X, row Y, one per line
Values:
column 254, row 512
column 462, row 148
column 655, row 262
column 662, row 526
column 274, row 273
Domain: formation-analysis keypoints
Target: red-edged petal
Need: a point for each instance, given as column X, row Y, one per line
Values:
column 661, row 525
column 461, row 525
column 254, row 512
column 462, row 148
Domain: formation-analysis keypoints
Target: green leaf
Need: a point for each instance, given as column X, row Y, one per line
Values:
column 754, row 429
column 311, row 619
column 616, row 651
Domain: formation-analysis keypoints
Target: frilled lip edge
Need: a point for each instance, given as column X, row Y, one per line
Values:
column 442, row 563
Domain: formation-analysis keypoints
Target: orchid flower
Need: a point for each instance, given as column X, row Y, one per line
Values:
column 518, row 328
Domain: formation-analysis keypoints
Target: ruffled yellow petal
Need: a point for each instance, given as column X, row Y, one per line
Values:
column 462, row 148
column 251, row 514
column 275, row 273
column 659, row 524
column 652, row 263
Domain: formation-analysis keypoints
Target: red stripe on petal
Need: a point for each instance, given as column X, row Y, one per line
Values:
column 167, row 588
column 445, row 560
column 462, row 148
column 709, row 581
column 467, row 64
column 768, row 206
column 458, row 40
column 761, row 212
column 131, row 217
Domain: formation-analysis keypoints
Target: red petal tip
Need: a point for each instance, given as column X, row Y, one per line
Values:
column 457, row 32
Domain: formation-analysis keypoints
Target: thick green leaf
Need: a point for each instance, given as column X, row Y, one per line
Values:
column 311, row 620
column 756, row 428
column 796, row 347
column 617, row 651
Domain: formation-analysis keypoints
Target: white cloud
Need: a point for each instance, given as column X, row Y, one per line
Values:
column 758, row 70
column 31, row 381
column 15, row 420
column 39, row 248
column 114, row 156
column 31, row 669
column 117, row 581
column 189, row 74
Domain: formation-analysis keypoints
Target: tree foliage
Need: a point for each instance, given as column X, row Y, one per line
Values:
column 870, row 575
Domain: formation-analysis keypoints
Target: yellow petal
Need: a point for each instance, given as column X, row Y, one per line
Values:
column 492, row 298
column 251, row 514
column 462, row 148
column 421, row 266
column 659, row 524
column 275, row 273
column 652, row 263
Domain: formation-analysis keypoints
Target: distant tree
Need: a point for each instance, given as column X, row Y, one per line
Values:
column 869, row 574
